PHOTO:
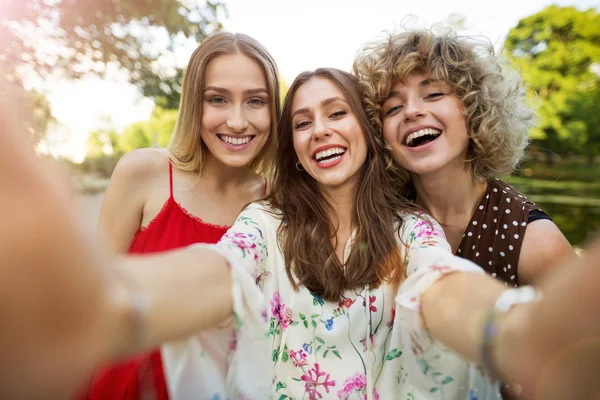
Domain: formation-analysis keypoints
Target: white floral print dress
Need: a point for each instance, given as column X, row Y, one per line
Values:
column 294, row 345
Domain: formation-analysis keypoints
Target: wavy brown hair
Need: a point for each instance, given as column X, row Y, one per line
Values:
column 186, row 149
column 491, row 92
column 307, row 232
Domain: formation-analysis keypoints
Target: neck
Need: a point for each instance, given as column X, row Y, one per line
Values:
column 450, row 195
column 223, row 177
column 341, row 201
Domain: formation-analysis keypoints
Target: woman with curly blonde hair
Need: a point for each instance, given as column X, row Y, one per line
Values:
column 454, row 119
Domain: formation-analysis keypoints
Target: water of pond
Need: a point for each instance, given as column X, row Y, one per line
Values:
column 574, row 206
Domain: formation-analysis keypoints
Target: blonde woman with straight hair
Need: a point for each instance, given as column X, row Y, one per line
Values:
column 217, row 162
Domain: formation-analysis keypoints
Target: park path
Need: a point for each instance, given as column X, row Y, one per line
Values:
column 90, row 205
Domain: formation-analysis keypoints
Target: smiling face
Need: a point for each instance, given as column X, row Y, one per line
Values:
column 424, row 124
column 236, row 116
column 328, row 138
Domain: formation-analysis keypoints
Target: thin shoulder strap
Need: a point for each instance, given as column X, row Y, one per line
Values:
column 266, row 188
column 170, row 179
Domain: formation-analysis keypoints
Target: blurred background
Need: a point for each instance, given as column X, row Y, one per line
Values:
column 102, row 77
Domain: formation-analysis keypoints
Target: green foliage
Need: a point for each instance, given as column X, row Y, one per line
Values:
column 80, row 37
column 41, row 114
column 558, row 53
column 156, row 131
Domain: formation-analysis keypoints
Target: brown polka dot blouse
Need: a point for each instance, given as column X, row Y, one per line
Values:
column 495, row 233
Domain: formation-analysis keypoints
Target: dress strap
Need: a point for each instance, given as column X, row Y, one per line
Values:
column 266, row 188
column 170, row 179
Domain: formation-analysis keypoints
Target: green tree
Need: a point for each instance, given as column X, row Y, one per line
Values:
column 41, row 114
column 78, row 37
column 156, row 131
column 557, row 51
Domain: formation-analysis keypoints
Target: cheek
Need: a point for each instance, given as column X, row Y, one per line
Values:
column 389, row 132
column 300, row 141
column 261, row 119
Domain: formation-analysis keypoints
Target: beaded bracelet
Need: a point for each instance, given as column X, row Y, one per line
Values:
column 508, row 299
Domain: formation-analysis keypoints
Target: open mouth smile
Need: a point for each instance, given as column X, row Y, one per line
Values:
column 235, row 141
column 421, row 137
column 328, row 156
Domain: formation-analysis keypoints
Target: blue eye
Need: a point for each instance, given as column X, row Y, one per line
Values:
column 257, row 101
column 217, row 100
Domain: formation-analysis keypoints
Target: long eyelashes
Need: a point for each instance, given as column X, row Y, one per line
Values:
column 430, row 96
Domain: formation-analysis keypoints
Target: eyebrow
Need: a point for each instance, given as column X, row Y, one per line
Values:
column 425, row 82
column 323, row 103
column 249, row 91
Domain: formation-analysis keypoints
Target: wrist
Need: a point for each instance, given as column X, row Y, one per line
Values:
column 504, row 332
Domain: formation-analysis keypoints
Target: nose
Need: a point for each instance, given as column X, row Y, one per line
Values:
column 414, row 109
column 320, row 129
column 237, row 121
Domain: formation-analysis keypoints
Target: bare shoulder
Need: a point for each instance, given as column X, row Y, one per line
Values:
column 141, row 166
column 544, row 247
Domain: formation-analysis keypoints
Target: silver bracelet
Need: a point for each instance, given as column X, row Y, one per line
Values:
column 504, row 302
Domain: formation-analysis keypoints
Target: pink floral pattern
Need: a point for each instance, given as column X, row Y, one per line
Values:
column 315, row 379
column 321, row 350
column 356, row 384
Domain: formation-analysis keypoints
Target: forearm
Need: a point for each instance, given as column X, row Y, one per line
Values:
column 187, row 291
column 456, row 307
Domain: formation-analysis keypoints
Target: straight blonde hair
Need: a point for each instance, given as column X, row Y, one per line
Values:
column 186, row 149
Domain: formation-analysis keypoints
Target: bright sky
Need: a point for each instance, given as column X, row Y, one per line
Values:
column 301, row 35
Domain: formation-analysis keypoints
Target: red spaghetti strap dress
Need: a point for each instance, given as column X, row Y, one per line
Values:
column 142, row 377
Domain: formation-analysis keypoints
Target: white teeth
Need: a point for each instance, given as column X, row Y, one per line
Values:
column 329, row 152
column 234, row 140
column 422, row 132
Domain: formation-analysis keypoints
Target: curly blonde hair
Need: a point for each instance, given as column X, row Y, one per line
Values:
column 491, row 92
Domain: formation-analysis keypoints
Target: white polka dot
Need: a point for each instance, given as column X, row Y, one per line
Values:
column 477, row 254
column 473, row 247
column 502, row 236
column 507, row 200
column 515, row 223
column 487, row 196
column 474, row 222
column 495, row 190
column 481, row 207
column 460, row 250
column 516, row 235
column 523, row 223
column 495, row 221
column 502, row 254
column 490, row 249
column 504, row 191
column 505, row 226
column 484, row 226
column 490, row 263
column 509, row 266
column 507, row 189
column 495, row 208
column 478, row 236
column 496, row 231
column 470, row 234
column 510, row 247
column 507, row 211
column 504, row 269
column 521, row 196
column 512, row 277
column 494, row 274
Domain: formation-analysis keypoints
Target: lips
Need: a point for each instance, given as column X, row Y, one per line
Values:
column 238, row 140
column 328, row 154
column 420, row 135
